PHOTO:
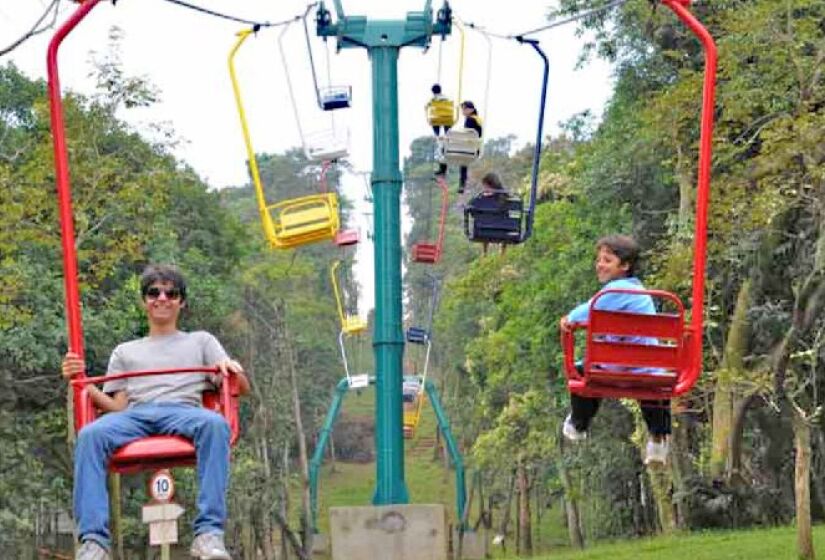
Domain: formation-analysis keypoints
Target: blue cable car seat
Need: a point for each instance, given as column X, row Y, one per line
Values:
column 494, row 219
column 417, row 335
column 335, row 97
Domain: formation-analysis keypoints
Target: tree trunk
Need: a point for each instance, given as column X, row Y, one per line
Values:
column 525, row 517
column 332, row 453
column 571, row 508
column 306, row 531
column 505, row 518
column 681, row 460
column 802, row 484
column 725, row 395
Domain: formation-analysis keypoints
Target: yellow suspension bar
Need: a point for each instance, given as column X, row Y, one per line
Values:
column 266, row 218
column 333, row 273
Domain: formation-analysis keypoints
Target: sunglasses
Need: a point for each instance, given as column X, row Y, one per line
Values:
column 170, row 293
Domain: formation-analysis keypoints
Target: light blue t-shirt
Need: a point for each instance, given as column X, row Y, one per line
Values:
column 631, row 303
column 176, row 350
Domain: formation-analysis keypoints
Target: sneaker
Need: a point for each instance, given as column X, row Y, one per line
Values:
column 570, row 431
column 92, row 550
column 656, row 451
column 209, row 546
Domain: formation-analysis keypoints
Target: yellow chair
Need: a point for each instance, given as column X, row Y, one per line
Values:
column 293, row 222
column 441, row 112
column 298, row 221
column 350, row 324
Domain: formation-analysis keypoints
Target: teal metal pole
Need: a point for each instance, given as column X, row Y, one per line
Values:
column 388, row 338
column 320, row 447
column 452, row 448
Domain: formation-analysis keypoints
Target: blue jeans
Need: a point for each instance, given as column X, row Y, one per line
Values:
column 100, row 439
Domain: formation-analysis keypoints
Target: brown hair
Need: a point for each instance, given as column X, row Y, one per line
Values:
column 492, row 180
column 624, row 247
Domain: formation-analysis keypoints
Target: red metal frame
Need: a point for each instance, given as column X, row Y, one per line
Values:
column 430, row 253
column 147, row 452
column 689, row 361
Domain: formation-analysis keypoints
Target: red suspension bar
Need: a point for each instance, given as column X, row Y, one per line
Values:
column 64, row 195
column 680, row 8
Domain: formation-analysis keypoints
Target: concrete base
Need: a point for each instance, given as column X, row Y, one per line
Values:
column 320, row 544
column 474, row 546
column 396, row 532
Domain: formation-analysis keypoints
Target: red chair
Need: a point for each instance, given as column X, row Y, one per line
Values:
column 618, row 364
column 160, row 452
column 430, row 253
column 150, row 452
column 619, row 369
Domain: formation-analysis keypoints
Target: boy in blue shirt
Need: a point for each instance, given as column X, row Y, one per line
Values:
column 616, row 257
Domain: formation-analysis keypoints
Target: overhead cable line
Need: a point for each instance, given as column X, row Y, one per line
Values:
column 553, row 23
column 255, row 24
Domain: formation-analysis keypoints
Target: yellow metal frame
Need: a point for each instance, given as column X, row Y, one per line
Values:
column 350, row 324
column 296, row 221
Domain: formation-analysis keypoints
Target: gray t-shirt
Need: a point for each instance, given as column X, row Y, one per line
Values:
column 180, row 349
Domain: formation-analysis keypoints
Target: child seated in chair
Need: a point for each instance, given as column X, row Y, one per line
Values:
column 616, row 257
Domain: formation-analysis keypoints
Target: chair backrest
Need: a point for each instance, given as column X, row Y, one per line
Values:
column 335, row 97
column 497, row 219
column 440, row 112
column 627, row 341
column 417, row 335
column 462, row 146
column 327, row 145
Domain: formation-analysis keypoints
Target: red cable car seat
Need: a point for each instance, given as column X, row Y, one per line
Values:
column 616, row 366
column 430, row 253
column 159, row 452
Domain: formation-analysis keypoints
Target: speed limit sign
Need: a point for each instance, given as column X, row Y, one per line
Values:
column 162, row 486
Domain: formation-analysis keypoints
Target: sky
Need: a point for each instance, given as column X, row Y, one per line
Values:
column 184, row 55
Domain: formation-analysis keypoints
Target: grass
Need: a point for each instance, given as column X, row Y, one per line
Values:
column 755, row 544
column 428, row 482
column 353, row 483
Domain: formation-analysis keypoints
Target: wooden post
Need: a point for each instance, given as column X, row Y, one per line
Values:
column 116, row 515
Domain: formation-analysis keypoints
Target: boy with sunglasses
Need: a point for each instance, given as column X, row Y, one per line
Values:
column 143, row 406
column 616, row 257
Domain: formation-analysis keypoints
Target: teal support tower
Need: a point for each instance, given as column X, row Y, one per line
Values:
column 383, row 40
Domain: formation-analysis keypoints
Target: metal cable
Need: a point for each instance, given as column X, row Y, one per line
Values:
column 551, row 25
column 209, row 12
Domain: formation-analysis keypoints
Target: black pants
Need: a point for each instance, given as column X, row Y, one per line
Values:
column 462, row 178
column 655, row 413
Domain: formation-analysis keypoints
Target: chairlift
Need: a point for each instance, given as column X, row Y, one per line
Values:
column 323, row 145
column 330, row 98
column 428, row 252
column 659, row 356
column 503, row 219
column 293, row 222
column 350, row 324
column 421, row 336
column 145, row 453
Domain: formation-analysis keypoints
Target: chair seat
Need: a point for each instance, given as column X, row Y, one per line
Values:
column 425, row 253
column 461, row 146
column 354, row 325
column 347, row 237
column 304, row 220
column 153, row 452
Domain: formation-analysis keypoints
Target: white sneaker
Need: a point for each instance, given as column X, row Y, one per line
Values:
column 570, row 431
column 656, row 451
column 209, row 546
